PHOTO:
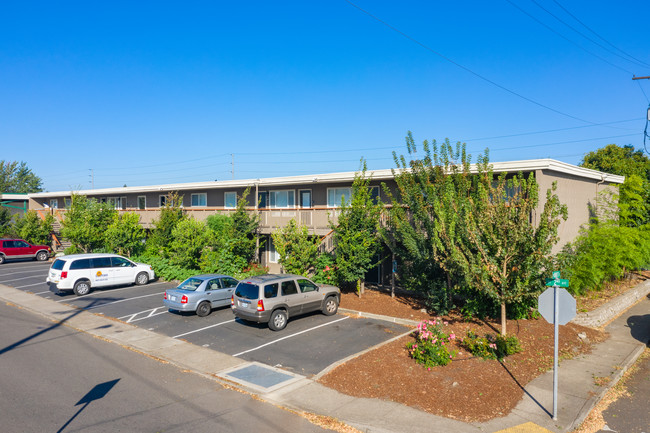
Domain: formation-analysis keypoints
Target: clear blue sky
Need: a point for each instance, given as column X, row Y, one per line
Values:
column 161, row 92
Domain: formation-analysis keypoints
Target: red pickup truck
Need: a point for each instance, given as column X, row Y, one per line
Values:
column 19, row 249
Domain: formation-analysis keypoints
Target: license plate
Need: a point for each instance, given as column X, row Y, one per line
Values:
column 244, row 304
column 172, row 298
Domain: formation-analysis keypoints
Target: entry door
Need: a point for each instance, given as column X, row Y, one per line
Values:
column 305, row 198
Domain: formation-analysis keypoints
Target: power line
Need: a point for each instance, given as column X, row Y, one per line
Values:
column 512, row 92
column 567, row 39
column 601, row 38
column 583, row 35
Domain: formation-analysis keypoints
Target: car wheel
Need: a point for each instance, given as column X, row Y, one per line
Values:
column 81, row 288
column 2, row 259
column 141, row 279
column 203, row 309
column 41, row 256
column 278, row 320
column 331, row 306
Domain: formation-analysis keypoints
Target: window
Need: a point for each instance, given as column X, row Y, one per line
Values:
column 271, row 290
column 80, row 264
column 163, row 200
column 289, row 288
column 142, row 202
column 305, row 198
column 230, row 200
column 274, row 257
column 200, row 199
column 374, row 194
column 120, row 262
column 335, row 195
column 307, row 286
column 101, row 262
column 262, row 199
column 54, row 203
column 213, row 285
column 67, row 202
column 282, row 199
column 228, row 283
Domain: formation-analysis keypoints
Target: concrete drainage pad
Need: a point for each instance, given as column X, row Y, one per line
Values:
column 260, row 377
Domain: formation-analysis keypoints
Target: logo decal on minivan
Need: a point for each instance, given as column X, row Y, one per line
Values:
column 99, row 273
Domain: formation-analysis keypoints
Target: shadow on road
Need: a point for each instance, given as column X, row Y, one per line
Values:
column 98, row 392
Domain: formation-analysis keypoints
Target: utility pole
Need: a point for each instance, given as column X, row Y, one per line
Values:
column 232, row 165
column 92, row 178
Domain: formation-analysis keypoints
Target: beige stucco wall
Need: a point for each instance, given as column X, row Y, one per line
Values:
column 577, row 193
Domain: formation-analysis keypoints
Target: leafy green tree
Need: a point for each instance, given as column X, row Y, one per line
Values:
column 356, row 233
column 85, row 222
column 5, row 221
column 245, row 229
column 633, row 202
column 33, row 228
column 125, row 235
column 16, row 177
column 296, row 248
column 479, row 231
column 170, row 216
column 188, row 240
column 623, row 161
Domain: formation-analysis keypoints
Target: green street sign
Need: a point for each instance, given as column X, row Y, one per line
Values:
column 556, row 275
column 550, row 282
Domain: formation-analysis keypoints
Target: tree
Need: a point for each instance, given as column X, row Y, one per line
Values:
column 125, row 235
column 633, row 202
column 86, row 221
column 16, row 177
column 356, row 233
column 170, row 216
column 33, row 228
column 623, row 161
column 245, row 227
column 188, row 240
column 296, row 248
column 477, row 230
column 5, row 221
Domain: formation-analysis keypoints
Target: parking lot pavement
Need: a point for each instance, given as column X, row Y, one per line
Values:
column 308, row 344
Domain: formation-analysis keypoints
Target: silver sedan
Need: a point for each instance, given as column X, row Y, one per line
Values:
column 201, row 293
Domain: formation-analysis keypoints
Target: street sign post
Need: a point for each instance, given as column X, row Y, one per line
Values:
column 558, row 307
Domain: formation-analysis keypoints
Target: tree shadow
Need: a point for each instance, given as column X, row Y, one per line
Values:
column 43, row 331
column 640, row 328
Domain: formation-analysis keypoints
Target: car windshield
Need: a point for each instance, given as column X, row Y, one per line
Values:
column 247, row 291
column 190, row 284
column 58, row 264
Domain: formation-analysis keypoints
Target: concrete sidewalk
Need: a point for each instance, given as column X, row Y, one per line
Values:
column 578, row 392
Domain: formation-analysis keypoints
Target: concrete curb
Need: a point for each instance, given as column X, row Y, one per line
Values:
column 406, row 322
column 612, row 309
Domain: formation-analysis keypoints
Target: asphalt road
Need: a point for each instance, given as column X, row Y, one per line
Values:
column 308, row 344
column 56, row 379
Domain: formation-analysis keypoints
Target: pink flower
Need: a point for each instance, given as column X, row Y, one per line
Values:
column 452, row 336
column 327, row 268
column 429, row 369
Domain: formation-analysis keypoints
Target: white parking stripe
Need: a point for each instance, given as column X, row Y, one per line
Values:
column 16, row 279
column 122, row 300
column 111, row 291
column 30, row 285
column 150, row 315
column 203, row 329
column 152, row 312
column 31, row 271
column 289, row 336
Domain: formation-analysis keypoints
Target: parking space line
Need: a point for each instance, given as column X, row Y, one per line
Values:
column 289, row 336
column 40, row 293
column 122, row 300
column 111, row 291
column 30, row 285
column 152, row 313
column 16, row 279
column 203, row 329
column 31, row 271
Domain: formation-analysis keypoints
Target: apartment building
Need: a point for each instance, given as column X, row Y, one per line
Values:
column 314, row 200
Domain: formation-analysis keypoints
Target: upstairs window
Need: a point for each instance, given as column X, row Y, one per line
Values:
column 335, row 195
column 199, row 200
column 282, row 199
column 230, row 200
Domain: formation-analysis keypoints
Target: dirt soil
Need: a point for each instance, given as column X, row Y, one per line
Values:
column 469, row 388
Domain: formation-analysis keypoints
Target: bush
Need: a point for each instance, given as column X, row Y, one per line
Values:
column 164, row 269
column 325, row 270
column 430, row 347
column 189, row 238
column 491, row 346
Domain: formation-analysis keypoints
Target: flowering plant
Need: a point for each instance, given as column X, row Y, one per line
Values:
column 430, row 347
column 491, row 346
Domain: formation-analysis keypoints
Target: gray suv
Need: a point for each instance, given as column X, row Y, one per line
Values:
column 273, row 299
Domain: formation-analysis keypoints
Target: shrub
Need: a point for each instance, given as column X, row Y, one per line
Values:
column 430, row 346
column 164, row 268
column 325, row 270
column 491, row 346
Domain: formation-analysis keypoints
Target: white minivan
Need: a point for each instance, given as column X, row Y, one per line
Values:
column 83, row 272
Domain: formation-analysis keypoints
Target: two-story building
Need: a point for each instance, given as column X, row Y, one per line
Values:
column 314, row 200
